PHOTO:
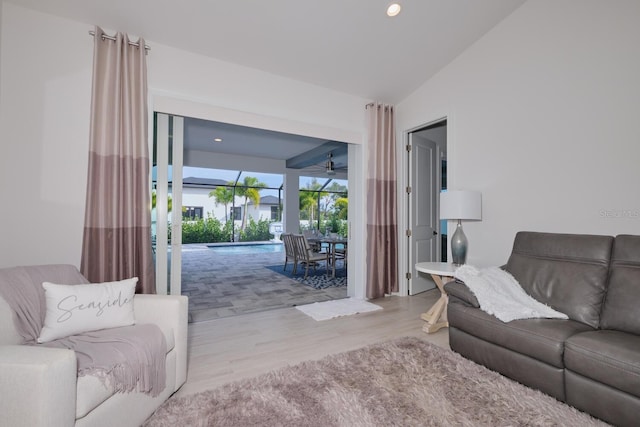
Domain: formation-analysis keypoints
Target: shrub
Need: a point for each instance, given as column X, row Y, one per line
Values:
column 256, row 231
column 209, row 230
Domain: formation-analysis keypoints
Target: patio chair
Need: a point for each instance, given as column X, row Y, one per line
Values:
column 337, row 253
column 312, row 240
column 289, row 251
column 306, row 255
column 341, row 253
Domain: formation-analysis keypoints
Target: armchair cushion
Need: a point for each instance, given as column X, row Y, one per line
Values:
column 92, row 391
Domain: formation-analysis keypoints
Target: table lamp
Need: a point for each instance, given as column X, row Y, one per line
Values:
column 459, row 205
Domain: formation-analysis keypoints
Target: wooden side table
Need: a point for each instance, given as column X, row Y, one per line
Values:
column 441, row 272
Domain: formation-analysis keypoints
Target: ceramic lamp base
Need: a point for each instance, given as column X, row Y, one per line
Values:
column 459, row 246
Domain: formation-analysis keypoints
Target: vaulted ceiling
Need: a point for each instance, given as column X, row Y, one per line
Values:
column 350, row 46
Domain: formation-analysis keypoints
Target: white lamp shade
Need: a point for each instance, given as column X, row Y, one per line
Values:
column 461, row 204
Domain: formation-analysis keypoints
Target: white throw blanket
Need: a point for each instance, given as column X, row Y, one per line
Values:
column 500, row 294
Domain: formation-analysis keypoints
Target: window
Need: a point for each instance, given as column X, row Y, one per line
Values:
column 236, row 213
column 192, row 212
column 274, row 213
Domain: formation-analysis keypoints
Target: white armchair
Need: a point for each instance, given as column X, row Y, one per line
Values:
column 40, row 386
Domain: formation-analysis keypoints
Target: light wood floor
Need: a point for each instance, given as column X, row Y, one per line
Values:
column 228, row 349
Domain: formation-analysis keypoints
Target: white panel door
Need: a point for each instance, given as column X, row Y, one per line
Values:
column 423, row 219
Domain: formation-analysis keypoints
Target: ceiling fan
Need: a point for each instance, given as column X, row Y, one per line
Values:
column 329, row 165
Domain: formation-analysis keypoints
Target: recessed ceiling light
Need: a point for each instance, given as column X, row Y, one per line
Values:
column 217, row 139
column 394, row 9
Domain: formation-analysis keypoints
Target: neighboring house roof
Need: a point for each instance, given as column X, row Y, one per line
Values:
column 202, row 182
column 267, row 200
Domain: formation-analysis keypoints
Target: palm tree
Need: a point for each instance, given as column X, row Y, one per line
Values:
column 341, row 207
column 250, row 190
column 223, row 196
column 153, row 201
column 308, row 204
column 333, row 193
column 309, row 199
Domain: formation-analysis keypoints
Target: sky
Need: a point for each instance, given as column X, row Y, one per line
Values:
column 272, row 180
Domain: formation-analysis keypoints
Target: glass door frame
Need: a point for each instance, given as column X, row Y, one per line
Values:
column 169, row 140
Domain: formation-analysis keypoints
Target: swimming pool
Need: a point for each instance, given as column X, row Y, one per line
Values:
column 245, row 249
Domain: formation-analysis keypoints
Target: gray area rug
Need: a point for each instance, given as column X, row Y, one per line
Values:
column 406, row 382
column 317, row 279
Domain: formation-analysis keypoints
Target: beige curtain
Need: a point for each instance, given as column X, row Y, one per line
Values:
column 117, row 226
column 382, row 238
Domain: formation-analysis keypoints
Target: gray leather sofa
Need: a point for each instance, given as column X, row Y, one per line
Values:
column 590, row 361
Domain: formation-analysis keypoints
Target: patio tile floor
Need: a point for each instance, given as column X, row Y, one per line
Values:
column 223, row 285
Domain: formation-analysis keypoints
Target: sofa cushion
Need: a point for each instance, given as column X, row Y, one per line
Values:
column 620, row 311
column 512, row 364
column 609, row 357
column 600, row 400
column 565, row 271
column 541, row 339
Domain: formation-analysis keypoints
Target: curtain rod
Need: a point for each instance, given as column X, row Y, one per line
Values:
column 373, row 104
column 105, row 36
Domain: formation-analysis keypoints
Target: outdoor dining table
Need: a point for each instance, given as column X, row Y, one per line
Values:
column 331, row 249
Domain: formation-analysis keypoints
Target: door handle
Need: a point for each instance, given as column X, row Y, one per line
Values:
column 435, row 233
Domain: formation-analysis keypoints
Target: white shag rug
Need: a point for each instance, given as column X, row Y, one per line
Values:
column 341, row 307
column 407, row 382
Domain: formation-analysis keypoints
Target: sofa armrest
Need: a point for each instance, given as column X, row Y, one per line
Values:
column 459, row 290
column 168, row 312
column 38, row 386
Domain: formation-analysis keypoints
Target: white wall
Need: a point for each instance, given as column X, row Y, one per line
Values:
column 544, row 121
column 0, row 49
column 200, row 197
column 45, row 82
column 44, row 116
